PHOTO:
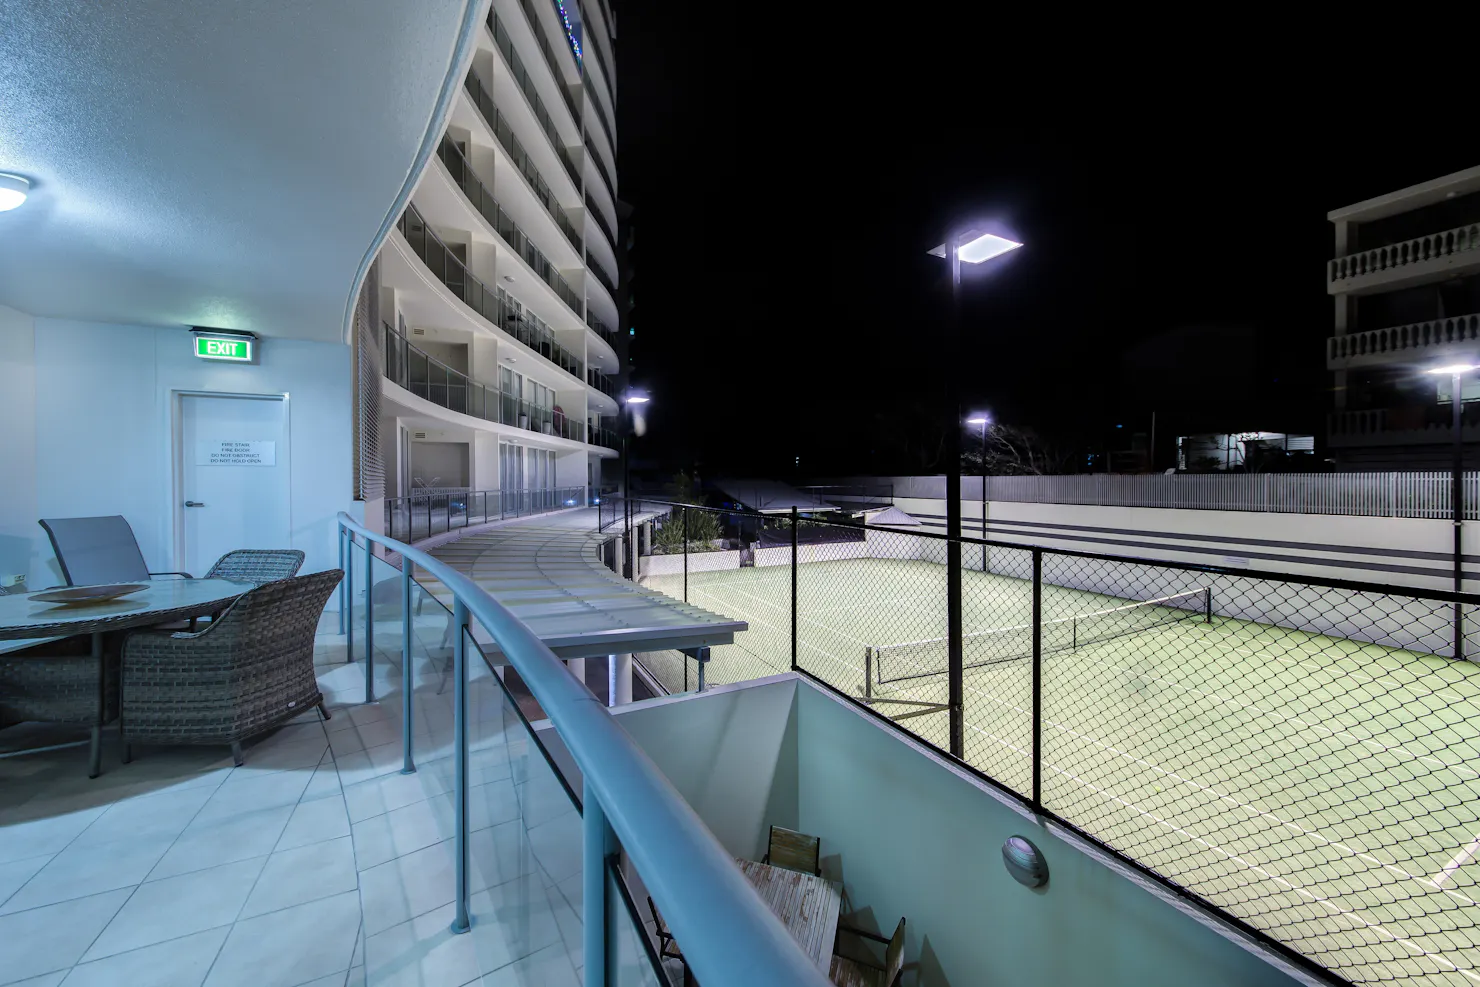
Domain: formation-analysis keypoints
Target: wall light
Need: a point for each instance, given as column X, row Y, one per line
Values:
column 13, row 191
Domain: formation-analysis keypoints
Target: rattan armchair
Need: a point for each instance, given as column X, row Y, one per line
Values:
column 257, row 565
column 246, row 672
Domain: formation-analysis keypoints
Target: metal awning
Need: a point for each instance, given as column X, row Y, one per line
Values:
column 771, row 497
column 547, row 570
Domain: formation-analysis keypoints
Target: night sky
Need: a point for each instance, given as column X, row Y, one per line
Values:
column 786, row 194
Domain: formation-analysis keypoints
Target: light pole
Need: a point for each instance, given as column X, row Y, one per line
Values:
column 628, row 401
column 973, row 247
column 1456, row 372
column 983, row 420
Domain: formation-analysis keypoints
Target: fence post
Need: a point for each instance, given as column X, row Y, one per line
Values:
column 868, row 672
column 596, row 905
column 793, row 588
column 408, row 765
column 956, row 690
column 343, row 598
column 685, row 511
column 349, row 595
column 460, row 922
column 369, row 623
column 1038, row 679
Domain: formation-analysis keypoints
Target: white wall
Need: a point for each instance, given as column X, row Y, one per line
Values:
column 103, row 401
column 18, row 529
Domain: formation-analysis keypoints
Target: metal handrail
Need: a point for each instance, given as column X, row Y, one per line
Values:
column 729, row 935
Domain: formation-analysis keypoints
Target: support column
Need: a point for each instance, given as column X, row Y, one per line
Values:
column 577, row 668
column 619, row 679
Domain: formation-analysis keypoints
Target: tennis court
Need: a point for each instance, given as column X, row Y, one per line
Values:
column 1325, row 789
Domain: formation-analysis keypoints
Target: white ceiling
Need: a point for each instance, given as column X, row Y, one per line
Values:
column 229, row 163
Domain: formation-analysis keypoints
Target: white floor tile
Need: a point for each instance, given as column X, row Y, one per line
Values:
column 325, row 780
column 179, row 962
column 79, row 871
column 356, row 977
column 45, row 835
column 211, row 842
column 372, row 763
column 557, row 845
column 16, row 873
column 401, row 889
column 550, row 967
column 178, row 906
column 314, row 822
column 303, row 749
column 310, row 941
column 383, row 794
column 136, row 819
column 307, row 873
column 54, row 937
column 391, row 834
column 45, row 980
column 244, row 792
column 333, row 980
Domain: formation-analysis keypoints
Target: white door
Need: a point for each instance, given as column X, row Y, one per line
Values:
column 233, row 473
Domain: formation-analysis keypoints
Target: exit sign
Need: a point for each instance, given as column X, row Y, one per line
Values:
column 237, row 348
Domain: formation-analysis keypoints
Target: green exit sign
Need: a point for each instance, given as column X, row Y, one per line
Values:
column 237, row 349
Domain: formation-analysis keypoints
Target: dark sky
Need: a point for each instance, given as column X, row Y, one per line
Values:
column 789, row 176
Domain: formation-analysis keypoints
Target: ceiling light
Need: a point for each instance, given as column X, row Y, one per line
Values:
column 509, row 278
column 13, row 191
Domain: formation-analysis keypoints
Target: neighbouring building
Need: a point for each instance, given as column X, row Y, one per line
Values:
column 1406, row 283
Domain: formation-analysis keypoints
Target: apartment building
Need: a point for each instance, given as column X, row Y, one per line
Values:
column 1406, row 285
column 495, row 303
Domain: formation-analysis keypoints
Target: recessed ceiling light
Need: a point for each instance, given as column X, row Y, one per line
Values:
column 13, row 191
column 509, row 278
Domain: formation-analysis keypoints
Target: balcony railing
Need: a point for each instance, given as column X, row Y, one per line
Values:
column 505, row 44
column 595, row 47
column 595, row 212
column 482, row 299
column 1437, row 251
column 424, row 513
column 604, row 437
column 1400, row 343
column 482, row 199
column 531, row 172
column 602, row 329
column 432, row 380
column 601, row 382
column 601, row 113
column 611, row 186
column 552, row 60
column 1426, row 424
column 606, row 279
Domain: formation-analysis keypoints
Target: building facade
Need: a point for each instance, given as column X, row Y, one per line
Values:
column 494, row 312
column 1406, row 285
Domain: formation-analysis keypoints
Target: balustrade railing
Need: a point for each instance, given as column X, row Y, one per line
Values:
column 552, row 60
column 611, row 186
column 505, row 45
column 1406, row 341
column 607, row 281
column 1432, row 246
column 595, row 212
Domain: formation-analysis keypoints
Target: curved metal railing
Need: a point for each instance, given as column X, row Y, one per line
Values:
column 729, row 936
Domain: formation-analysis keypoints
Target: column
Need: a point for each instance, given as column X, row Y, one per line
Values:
column 577, row 667
column 619, row 679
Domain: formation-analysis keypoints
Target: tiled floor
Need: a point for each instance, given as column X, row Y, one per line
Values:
column 315, row 863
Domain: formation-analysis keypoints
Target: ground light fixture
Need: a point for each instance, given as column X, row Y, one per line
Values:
column 13, row 191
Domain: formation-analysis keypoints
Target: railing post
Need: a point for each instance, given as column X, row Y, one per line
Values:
column 597, row 915
column 369, row 623
column 349, row 595
column 461, row 922
column 793, row 588
column 685, row 554
column 408, row 764
column 1038, row 679
column 343, row 599
column 701, row 655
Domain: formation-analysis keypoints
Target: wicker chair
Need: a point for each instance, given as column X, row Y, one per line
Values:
column 257, row 565
column 57, row 682
column 243, row 674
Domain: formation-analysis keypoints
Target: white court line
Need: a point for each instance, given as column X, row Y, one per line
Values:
column 1378, row 680
column 800, row 642
column 1333, row 906
column 1457, row 861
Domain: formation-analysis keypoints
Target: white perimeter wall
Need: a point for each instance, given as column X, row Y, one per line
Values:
column 85, row 415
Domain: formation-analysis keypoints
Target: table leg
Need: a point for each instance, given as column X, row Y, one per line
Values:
column 95, row 748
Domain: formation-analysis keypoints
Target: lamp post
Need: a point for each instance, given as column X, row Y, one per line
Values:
column 973, row 247
column 983, row 420
column 1456, row 372
column 628, row 401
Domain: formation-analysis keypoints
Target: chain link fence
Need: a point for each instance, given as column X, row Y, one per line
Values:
column 1303, row 755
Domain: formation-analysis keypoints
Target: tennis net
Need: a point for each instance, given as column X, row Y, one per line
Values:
column 891, row 663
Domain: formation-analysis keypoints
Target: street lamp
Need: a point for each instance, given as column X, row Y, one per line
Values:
column 974, row 247
column 629, row 400
column 1456, row 372
column 983, row 420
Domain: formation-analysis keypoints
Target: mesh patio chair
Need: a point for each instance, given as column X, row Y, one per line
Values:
column 245, row 673
column 257, row 565
column 93, row 551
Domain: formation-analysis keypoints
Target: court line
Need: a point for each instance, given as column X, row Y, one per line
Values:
column 800, row 642
column 1457, row 861
column 1333, row 906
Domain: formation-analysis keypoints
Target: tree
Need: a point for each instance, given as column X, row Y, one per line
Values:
column 703, row 532
column 1014, row 451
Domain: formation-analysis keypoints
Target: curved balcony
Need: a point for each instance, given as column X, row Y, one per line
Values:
column 606, row 176
column 432, row 380
column 601, row 382
column 595, row 212
column 1434, row 257
column 607, row 281
column 572, row 100
column 1417, row 342
column 504, row 134
column 522, row 79
column 603, row 330
column 485, row 301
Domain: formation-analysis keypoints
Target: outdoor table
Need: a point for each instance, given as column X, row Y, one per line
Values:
column 161, row 602
column 807, row 905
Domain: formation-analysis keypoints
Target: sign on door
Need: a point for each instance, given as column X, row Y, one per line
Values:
column 230, row 452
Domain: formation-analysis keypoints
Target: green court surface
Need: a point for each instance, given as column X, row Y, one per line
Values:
column 1325, row 790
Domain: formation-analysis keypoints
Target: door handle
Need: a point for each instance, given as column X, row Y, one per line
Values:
column 194, row 503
